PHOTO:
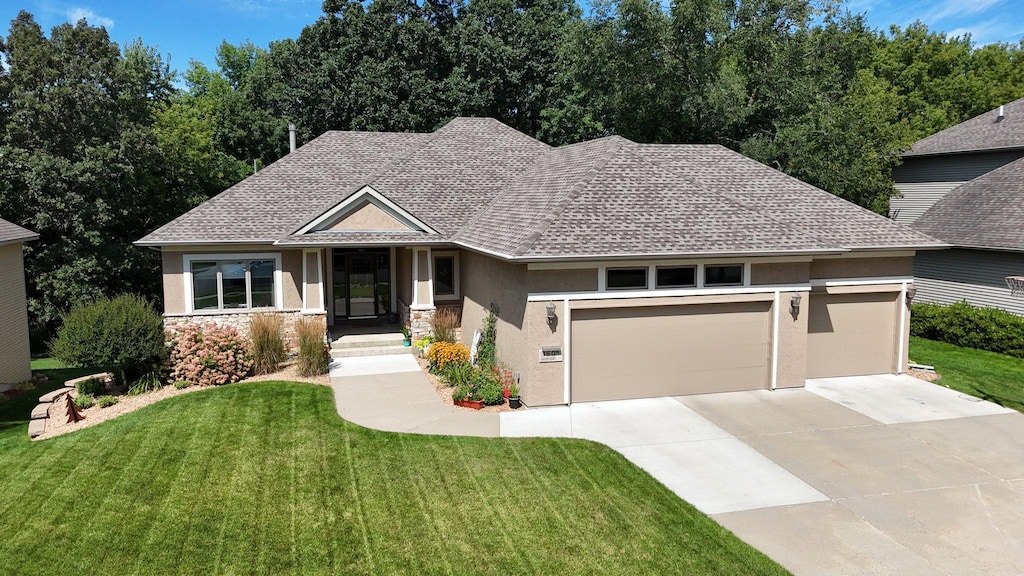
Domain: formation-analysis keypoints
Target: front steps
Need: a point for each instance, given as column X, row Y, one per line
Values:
column 353, row 345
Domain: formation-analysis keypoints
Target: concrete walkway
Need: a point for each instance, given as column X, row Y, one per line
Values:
column 392, row 393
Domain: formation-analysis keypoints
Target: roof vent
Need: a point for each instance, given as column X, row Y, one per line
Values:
column 291, row 133
column 1001, row 115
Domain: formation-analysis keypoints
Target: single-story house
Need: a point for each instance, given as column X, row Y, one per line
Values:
column 965, row 186
column 15, row 354
column 617, row 269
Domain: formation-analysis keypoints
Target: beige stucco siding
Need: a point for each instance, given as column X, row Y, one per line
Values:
column 314, row 299
column 780, row 273
column 862, row 267
column 174, row 283
column 15, row 356
column 487, row 281
column 792, row 349
column 368, row 217
column 562, row 280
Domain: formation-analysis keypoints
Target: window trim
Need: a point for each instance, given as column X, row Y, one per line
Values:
column 220, row 257
column 645, row 269
column 652, row 274
column 456, row 280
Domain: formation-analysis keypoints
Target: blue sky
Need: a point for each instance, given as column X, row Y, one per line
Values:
column 192, row 29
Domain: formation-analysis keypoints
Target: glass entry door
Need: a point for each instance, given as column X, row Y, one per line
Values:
column 361, row 284
column 362, row 287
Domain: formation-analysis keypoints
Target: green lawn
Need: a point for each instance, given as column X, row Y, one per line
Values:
column 987, row 375
column 267, row 479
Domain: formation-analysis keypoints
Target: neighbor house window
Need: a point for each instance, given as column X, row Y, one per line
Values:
column 676, row 277
column 626, row 278
column 446, row 275
column 231, row 284
column 725, row 275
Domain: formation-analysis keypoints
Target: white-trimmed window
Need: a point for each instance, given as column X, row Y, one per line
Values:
column 446, row 275
column 226, row 282
column 633, row 278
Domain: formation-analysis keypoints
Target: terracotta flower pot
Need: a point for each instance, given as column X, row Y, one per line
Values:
column 474, row 404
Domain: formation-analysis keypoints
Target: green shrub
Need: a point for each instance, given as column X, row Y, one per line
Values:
column 84, row 401
column 267, row 344
column 444, row 324
column 106, row 401
column 209, row 355
column 488, row 388
column 314, row 356
column 25, row 386
column 124, row 335
column 971, row 327
column 91, row 387
column 182, row 384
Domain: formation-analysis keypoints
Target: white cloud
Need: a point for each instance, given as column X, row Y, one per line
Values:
column 958, row 8
column 76, row 14
column 994, row 30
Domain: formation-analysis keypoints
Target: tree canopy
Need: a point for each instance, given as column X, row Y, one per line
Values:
column 100, row 144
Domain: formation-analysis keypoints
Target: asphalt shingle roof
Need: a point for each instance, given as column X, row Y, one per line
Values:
column 981, row 133
column 987, row 212
column 10, row 233
column 484, row 185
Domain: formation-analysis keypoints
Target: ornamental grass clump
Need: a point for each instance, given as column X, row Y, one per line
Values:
column 209, row 355
column 443, row 353
column 443, row 324
column 314, row 356
column 267, row 343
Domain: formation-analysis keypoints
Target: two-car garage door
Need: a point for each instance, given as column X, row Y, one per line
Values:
column 643, row 352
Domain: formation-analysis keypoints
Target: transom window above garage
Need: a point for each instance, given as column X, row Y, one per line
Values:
column 671, row 276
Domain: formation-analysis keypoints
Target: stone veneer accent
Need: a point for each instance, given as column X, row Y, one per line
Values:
column 418, row 321
column 240, row 321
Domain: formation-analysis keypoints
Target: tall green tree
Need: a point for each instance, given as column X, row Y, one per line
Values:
column 80, row 163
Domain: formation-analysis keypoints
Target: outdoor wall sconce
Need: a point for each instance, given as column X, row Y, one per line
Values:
column 794, row 304
column 551, row 313
column 911, row 292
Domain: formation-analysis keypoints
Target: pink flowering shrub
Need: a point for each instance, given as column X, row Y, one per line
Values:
column 208, row 355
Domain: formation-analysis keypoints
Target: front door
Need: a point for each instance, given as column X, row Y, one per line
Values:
column 362, row 287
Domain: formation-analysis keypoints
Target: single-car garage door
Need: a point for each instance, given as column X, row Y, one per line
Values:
column 644, row 352
column 851, row 334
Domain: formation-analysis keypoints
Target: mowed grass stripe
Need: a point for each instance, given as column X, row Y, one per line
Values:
column 297, row 490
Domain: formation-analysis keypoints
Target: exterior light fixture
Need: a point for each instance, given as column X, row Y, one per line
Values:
column 911, row 292
column 794, row 303
column 551, row 312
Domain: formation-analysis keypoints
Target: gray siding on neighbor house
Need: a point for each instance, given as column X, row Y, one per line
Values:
column 922, row 181
column 15, row 357
column 977, row 276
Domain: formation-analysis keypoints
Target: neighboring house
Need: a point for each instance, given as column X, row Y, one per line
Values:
column 965, row 186
column 15, row 355
column 619, row 270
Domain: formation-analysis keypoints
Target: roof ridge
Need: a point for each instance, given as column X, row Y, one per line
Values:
column 571, row 193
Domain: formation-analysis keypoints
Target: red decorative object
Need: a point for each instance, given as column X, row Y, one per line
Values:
column 474, row 404
column 74, row 414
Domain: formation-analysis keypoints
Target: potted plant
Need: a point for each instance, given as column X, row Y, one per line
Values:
column 406, row 336
column 465, row 396
column 514, row 401
column 423, row 344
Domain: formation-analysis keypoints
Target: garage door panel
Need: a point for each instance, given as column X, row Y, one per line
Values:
column 668, row 351
column 851, row 334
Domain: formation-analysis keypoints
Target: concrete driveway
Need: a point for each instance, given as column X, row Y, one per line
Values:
column 868, row 475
